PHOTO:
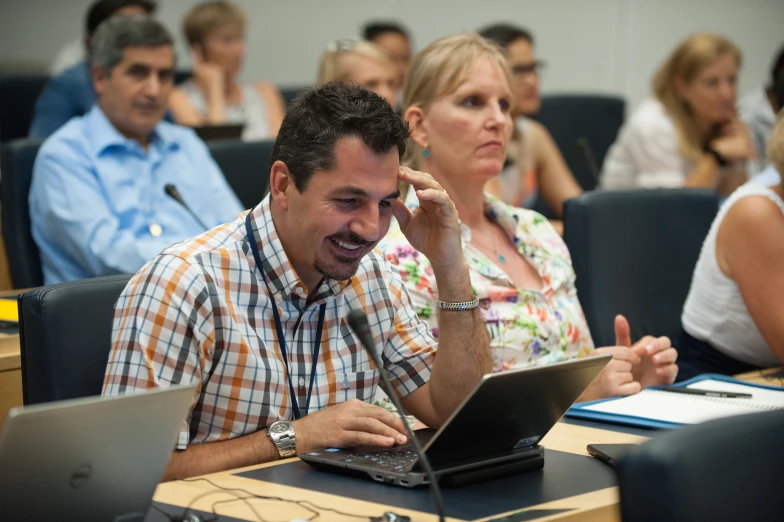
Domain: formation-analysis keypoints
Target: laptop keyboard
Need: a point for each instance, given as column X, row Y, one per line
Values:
column 396, row 460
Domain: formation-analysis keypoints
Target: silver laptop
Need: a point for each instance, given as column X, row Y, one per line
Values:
column 495, row 432
column 89, row 459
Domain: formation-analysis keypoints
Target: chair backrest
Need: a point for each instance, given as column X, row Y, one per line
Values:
column 246, row 167
column 634, row 254
column 727, row 469
column 583, row 127
column 18, row 94
column 65, row 332
column 24, row 260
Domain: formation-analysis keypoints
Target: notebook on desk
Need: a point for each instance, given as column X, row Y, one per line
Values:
column 654, row 408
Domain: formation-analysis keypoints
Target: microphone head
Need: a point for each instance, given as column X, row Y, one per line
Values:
column 173, row 193
column 357, row 321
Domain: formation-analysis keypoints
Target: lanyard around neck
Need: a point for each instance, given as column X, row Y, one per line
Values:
column 279, row 328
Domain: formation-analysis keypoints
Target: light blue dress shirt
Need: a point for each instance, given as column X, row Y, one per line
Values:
column 96, row 197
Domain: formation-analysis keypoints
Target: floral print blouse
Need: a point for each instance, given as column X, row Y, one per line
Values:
column 527, row 327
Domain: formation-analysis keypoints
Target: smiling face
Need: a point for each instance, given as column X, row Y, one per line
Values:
column 135, row 92
column 341, row 214
column 467, row 131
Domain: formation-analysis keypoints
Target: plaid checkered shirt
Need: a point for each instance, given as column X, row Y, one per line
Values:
column 199, row 312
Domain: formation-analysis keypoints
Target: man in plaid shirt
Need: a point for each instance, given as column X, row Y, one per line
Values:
column 253, row 311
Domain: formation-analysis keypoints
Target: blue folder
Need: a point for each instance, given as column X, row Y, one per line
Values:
column 579, row 411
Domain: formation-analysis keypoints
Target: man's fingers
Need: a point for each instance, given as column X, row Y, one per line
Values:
column 418, row 180
column 440, row 198
column 401, row 213
column 620, row 366
column 385, row 416
column 352, row 439
column 376, row 427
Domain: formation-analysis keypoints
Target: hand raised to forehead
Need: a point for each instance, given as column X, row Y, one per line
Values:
column 433, row 227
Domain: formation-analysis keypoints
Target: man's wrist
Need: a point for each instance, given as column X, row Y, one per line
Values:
column 454, row 283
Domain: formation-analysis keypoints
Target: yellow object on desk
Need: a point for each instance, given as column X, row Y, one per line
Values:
column 9, row 310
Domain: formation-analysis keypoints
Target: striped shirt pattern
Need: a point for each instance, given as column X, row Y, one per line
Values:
column 199, row 312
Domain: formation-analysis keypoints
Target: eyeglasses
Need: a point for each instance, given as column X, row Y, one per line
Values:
column 342, row 45
column 523, row 70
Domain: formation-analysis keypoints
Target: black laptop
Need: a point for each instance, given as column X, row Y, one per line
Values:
column 495, row 432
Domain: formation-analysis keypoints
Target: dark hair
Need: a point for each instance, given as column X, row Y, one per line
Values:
column 320, row 116
column 118, row 32
column 777, row 77
column 373, row 30
column 504, row 34
column 101, row 10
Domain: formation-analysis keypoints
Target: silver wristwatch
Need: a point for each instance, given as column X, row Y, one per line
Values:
column 281, row 433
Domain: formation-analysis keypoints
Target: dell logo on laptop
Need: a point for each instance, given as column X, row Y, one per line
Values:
column 80, row 476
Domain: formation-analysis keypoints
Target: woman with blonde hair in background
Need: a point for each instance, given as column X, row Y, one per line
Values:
column 458, row 99
column 215, row 95
column 534, row 161
column 688, row 134
column 357, row 61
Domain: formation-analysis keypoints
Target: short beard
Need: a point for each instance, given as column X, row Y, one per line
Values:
column 336, row 274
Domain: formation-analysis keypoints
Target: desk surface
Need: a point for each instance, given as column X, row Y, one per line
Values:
column 599, row 504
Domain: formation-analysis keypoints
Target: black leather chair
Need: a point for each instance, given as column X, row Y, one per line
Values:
column 583, row 127
column 289, row 93
column 246, row 166
column 724, row 470
column 18, row 94
column 24, row 260
column 634, row 254
column 65, row 335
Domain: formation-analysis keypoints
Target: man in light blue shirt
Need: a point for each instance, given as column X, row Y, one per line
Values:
column 70, row 93
column 98, row 204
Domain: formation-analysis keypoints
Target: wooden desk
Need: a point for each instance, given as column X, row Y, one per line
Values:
column 10, row 374
column 601, row 505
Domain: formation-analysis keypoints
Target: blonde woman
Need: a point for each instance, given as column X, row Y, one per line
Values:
column 357, row 61
column 458, row 99
column 732, row 316
column 688, row 134
column 215, row 95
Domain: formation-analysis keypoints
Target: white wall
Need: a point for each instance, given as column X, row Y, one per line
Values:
column 610, row 46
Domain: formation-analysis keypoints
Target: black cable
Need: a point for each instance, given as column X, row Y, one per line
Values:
column 302, row 503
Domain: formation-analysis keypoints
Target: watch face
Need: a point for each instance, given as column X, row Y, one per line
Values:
column 279, row 427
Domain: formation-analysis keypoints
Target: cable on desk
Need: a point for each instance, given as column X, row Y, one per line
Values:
column 316, row 509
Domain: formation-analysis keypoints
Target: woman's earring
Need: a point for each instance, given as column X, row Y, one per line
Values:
column 426, row 152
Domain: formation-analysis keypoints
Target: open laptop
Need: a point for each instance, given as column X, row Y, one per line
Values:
column 495, row 431
column 89, row 459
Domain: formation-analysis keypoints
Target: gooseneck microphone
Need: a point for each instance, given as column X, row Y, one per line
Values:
column 359, row 323
column 173, row 193
column 584, row 147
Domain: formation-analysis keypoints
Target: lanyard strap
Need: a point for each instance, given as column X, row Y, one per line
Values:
column 279, row 328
